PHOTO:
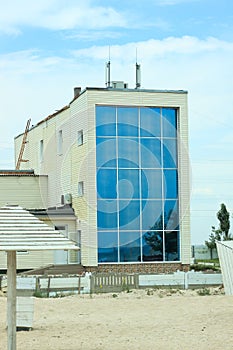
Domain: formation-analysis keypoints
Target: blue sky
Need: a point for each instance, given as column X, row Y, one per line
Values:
column 49, row 46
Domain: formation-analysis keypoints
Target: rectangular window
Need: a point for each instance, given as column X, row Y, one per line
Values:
column 80, row 137
column 62, row 229
column 41, row 150
column 80, row 189
column 60, row 142
column 137, row 184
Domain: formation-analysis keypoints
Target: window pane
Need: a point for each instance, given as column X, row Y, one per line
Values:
column 127, row 121
column 107, row 214
column 171, row 215
column 151, row 183
column 150, row 153
column 152, row 246
column 129, row 214
column 80, row 137
column 169, row 122
column 105, row 153
column 106, row 183
column 130, row 246
column 105, row 121
column 128, row 185
column 169, row 153
column 172, row 246
column 128, row 153
column 107, row 246
column 150, row 122
column 170, row 184
column 152, row 218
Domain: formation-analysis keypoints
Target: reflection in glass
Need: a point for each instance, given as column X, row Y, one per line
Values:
column 171, row 215
column 128, row 185
column 172, row 246
column 105, row 121
column 128, row 153
column 137, row 188
column 150, row 153
column 107, row 246
column 105, row 152
column 129, row 214
column 107, row 214
column 127, row 121
column 106, row 183
column 169, row 153
column 151, row 183
column 152, row 246
column 152, row 215
column 150, row 122
column 129, row 246
column 170, row 184
column 169, row 122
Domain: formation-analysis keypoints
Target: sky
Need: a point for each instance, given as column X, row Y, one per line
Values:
column 48, row 47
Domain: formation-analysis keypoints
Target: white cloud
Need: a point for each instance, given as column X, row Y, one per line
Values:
column 174, row 2
column 56, row 16
column 149, row 49
column 34, row 84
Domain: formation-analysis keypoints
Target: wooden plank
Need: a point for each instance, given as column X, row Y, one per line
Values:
column 39, row 247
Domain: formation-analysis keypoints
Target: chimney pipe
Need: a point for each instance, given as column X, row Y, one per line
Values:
column 77, row 91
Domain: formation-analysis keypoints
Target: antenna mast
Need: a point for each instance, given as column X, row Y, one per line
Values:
column 138, row 74
column 108, row 78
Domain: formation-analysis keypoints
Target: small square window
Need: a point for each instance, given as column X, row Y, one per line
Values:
column 41, row 150
column 80, row 188
column 60, row 142
column 80, row 137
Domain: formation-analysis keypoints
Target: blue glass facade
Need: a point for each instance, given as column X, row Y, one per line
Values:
column 137, row 184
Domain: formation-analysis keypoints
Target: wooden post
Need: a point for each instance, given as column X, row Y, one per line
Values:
column 11, row 299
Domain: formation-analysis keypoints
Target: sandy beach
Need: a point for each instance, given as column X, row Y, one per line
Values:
column 142, row 319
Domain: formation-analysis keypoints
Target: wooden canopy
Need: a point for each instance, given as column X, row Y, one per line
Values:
column 20, row 230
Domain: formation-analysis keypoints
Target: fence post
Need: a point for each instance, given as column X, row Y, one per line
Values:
column 186, row 283
column 48, row 289
column 136, row 281
column 79, row 284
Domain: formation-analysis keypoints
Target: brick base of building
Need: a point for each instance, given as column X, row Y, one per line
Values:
column 139, row 268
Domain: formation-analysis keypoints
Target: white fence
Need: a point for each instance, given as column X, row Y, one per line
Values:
column 53, row 285
column 50, row 285
column 225, row 252
column 181, row 279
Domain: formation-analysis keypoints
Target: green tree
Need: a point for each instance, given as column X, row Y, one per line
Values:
column 224, row 222
column 221, row 233
column 213, row 237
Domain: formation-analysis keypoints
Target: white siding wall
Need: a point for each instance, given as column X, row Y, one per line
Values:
column 29, row 192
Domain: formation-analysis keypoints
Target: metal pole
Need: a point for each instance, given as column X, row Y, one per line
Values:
column 11, row 300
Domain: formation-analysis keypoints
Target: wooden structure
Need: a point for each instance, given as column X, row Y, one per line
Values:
column 22, row 231
column 24, row 141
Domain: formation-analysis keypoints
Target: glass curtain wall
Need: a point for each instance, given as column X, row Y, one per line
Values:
column 137, row 184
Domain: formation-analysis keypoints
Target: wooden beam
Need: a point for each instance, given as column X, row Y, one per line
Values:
column 11, row 300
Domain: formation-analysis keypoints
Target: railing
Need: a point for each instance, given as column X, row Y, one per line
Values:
column 113, row 282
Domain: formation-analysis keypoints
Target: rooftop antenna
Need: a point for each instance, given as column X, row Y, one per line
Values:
column 138, row 74
column 107, row 73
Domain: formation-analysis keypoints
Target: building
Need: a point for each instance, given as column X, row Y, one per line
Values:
column 24, row 188
column 119, row 158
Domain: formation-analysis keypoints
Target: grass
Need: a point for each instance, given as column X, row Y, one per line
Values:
column 203, row 291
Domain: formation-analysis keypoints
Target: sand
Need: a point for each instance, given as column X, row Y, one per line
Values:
column 142, row 319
